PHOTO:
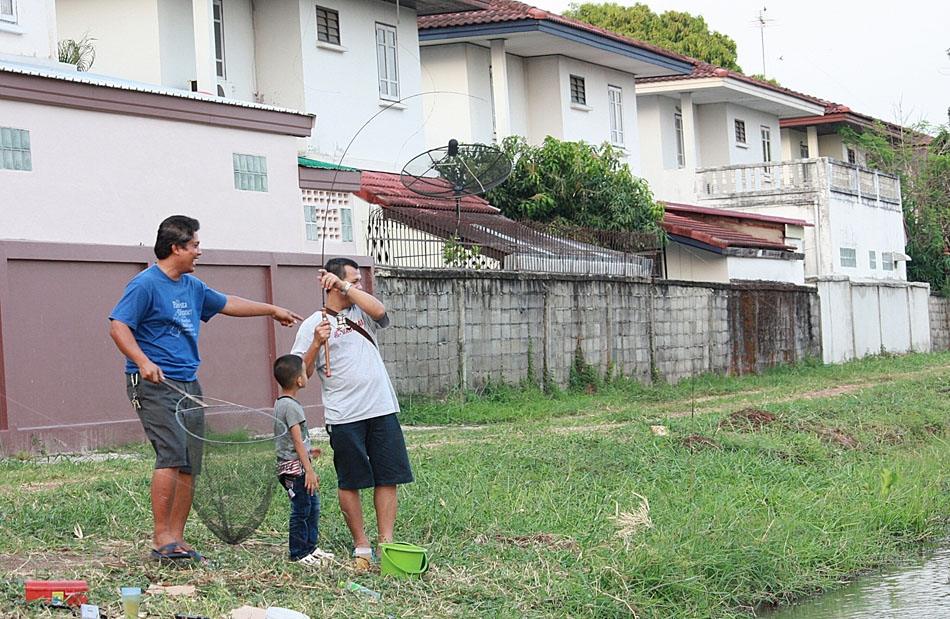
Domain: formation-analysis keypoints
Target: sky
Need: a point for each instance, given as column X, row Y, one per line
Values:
column 890, row 60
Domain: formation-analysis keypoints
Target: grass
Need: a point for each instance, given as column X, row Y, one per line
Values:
column 541, row 510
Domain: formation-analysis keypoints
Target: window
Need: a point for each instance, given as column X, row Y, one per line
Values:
column 848, row 257
column 852, row 157
column 680, row 144
column 218, row 17
column 250, row 172
column 328, row 26
column 872, row 259
column 740, row 131
column 578, row 90
column 766, row 144
column 803, row 150
column 615, row 105
column 15, row 149
column 346, row 224
column 386, row 62
column 887, row 261
column 8, row 11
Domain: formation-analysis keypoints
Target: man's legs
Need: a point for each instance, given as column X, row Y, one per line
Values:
column 386, row 503
column 172, row 493
column 352, row 510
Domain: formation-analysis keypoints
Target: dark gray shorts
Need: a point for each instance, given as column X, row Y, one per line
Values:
column 156, row 405
column 369, row 453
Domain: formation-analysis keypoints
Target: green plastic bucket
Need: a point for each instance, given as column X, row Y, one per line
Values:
column 403, row 560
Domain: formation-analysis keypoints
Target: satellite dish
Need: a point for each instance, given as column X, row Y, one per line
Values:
column 456, row 170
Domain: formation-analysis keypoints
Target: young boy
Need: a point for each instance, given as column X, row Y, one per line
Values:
column 294, row 469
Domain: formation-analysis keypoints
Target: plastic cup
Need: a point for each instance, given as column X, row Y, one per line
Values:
column 131, row 598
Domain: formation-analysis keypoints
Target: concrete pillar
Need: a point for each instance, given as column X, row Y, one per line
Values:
column 205, row 72
column 812, row 135
column 689, row 130
column 501, row 107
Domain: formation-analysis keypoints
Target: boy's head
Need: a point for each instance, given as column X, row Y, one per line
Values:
column 289, row 372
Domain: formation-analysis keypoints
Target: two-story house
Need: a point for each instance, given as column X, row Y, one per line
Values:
column 513, row 69
column 353, row 64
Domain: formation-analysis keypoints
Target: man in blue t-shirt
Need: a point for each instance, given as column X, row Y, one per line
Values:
column 155, row 324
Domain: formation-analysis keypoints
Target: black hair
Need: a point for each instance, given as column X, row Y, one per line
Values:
column 337, row 266
column 175, row 230
column 286, row 370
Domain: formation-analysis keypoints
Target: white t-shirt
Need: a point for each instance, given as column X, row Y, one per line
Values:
column 358, row 386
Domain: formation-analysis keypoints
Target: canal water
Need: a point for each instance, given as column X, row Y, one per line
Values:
column 919, row 590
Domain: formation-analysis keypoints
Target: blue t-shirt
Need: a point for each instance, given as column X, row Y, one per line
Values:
column 161, row 313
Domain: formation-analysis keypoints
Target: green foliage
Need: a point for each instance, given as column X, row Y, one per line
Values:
column 770, row 80
column 924, row 172
column 674, row 30
column 577, row 183
column 583, row 376
column 456, row 254
column 81, row 53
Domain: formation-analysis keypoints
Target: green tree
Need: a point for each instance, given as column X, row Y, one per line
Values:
column 674, row 30
column 924, row 172
column 574, row 183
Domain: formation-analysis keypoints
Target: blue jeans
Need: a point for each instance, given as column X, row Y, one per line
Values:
column 304, row 517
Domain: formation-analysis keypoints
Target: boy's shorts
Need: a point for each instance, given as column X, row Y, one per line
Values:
column 156, row 405
column 369, row 453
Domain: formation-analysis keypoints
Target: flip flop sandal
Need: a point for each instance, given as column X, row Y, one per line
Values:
column 169, row 552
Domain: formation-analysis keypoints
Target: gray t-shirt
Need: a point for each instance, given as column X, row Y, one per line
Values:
column 289, row 411
column 358, row 386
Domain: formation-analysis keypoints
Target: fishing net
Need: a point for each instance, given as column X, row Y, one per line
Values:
column 232, row 455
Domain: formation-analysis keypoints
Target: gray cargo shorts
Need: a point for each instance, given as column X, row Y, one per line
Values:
column 156, row 405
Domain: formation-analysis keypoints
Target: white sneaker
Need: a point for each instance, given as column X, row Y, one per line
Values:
column 317, row 558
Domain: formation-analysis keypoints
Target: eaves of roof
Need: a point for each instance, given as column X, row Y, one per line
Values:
column 509, row 17
column 715, row 236
column 677, row 208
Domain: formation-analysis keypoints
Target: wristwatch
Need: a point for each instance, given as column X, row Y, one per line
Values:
column 346, row 288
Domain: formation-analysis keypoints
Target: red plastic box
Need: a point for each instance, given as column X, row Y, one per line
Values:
column 57, row 592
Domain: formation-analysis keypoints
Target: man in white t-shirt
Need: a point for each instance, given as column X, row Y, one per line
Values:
column 360, row 404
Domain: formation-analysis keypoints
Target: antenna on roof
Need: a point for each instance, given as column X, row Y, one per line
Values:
column 762, row 22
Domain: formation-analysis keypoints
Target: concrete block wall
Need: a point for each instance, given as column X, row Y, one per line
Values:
column 939, row 323
column 459, row 328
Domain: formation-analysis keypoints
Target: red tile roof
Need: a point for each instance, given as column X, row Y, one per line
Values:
column 686, row 209
column 511, row 10
column 711, row 234
column 386, row 189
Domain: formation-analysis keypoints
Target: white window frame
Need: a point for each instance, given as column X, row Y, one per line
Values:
column 680, row 141
column 339, row 33
column 346, row 224
column 766, row 133
column 219, row 56
column 739, row 126
column 848, row 257
column 615, row 113
column 872, row 259
column 15, row 150
column 387, row 62
column 250, row 172
column 887, row 261
column 11, row 17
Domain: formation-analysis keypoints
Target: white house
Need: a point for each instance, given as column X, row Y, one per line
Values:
column 513, row 69
column 720, row 138
column 353, row 64
column 86, row 158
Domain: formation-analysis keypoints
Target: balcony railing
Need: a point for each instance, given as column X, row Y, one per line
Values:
column 803, row 175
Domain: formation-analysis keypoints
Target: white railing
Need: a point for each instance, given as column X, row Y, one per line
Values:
column 799, row 176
